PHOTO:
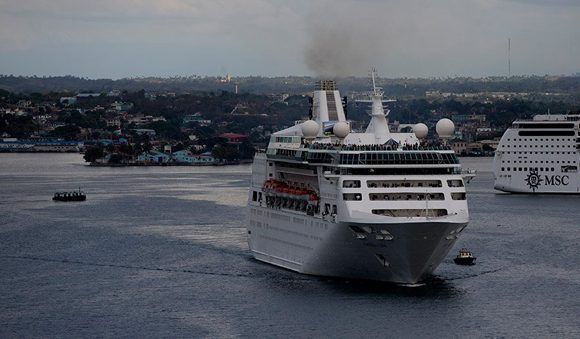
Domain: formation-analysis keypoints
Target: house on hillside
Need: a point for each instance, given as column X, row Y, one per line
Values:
column 68, row 100
column 459, row 146
column 234, row 138
column 196, row 118
column 122, row 106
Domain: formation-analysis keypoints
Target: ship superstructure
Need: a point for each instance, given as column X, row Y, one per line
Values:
column 375, row 205
column 541, row 155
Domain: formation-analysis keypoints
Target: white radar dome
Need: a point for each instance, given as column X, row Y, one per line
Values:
column 341, row 129
column 310, row 129
column 445, row 128
column 420, row 130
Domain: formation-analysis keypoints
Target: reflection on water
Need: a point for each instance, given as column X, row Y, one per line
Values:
column 433, row 288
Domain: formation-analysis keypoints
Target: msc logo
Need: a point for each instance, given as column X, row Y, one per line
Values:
column 534, row 180
column 557, row 180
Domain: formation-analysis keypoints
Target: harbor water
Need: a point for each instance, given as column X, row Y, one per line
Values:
column 162, row 252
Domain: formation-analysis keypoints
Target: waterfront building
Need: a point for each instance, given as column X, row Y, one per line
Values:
column 153, row 157
column 186, row 157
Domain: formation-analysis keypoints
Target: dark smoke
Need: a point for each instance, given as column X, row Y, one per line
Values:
column 340, row 46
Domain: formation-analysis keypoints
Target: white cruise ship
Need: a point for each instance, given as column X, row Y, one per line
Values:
column 539, row 156
column 376, row 205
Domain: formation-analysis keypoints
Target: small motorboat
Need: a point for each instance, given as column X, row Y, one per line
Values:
column 465, row 257
column 70, row 196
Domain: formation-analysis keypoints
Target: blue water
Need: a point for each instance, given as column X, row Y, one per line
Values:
column 162, row 251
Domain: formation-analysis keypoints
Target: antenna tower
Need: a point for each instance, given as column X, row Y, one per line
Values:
column 377, row 91
column 509, row 58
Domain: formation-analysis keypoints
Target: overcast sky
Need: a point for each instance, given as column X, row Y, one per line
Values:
column 401, row 38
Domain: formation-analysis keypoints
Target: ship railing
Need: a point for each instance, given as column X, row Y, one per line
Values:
column 373, row 147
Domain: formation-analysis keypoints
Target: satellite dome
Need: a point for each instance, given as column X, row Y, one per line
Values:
column 420, row 130
column 445, row 128
column 310, row 129
column 341, row 129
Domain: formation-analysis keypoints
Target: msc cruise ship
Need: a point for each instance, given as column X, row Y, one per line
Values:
column 541, row 155
column 375, row 205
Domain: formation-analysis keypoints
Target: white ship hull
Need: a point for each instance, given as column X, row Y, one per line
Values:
column 539, row 156
column 376, row 205
column 314, row 246
column 549, row 183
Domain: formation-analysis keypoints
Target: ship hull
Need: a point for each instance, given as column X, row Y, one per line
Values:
column 539, row 156
column 396, row 252
column 518, row 184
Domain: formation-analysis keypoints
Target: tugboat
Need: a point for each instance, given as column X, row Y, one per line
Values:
column 465, row 257
column 70, row 196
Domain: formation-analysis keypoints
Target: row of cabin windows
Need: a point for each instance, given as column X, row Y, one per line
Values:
column 410, row 213
column 400, row 171
column 406, row 196
column 319, row 157
column 560, row 133
column 403, row 196
column 524, row 152
column 540, row 146
column 287, row 139
column 286, row 152
column 543, row 125
column 401, row 183
column 398, row 158
column 525, row 169
column 563, row 169
column 536, row 139
column 539, row 161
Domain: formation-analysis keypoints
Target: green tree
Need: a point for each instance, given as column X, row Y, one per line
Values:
column 110, row 148
column 67, row 132
column 226, row 151
column 246, row 150
column 115, row 158
column 178, row 147
column 17, row 126
column 93, row 153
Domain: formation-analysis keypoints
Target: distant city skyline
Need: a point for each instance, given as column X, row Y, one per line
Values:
column 413, row 38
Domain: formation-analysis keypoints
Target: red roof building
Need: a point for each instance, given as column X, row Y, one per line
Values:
column 234, row 138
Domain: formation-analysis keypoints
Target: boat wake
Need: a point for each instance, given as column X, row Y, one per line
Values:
column 85, row 263
column 473, row 275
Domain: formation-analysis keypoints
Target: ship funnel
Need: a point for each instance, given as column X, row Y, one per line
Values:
column 325, row 85
column 327, row 107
